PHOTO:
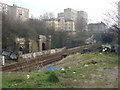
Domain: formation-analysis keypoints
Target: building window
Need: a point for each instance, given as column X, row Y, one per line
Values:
column 20, row 12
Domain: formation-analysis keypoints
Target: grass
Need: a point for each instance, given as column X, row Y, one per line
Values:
column 94, row 75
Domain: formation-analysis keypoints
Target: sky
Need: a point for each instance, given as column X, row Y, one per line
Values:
column 96, row 9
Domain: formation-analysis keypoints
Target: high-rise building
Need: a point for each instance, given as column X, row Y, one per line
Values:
column 19, row 12
column 60, row 15
column 80, row 18
column 15, row 12
column 4, row 8
column 70, row 14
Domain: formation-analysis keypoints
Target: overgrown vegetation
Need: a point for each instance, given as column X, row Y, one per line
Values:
column 106, row 38
column 101, row 72
column 30, row 29
column 53, row 77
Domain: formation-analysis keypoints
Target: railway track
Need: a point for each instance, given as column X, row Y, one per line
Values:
column 24, row 65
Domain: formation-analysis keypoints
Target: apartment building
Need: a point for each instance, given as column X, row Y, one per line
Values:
column 61, row 15
column 69, row 25
column 70, row 14
column 80, row 18
column 97, row 27
column 4, row 8
column 60, row 24
column 19, row 12
column 82, row 21
column 15, row 12
column 52, row 23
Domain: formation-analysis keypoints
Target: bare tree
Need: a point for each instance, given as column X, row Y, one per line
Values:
column 112, row 17
column 81, row 24
column 51, row 15
column 47, row 16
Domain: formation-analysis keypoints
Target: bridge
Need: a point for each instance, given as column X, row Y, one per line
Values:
column 42, row 60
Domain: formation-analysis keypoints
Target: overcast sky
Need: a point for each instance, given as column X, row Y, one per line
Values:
column 95, row 8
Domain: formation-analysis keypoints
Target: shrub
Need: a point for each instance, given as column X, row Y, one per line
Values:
column 93, row 62
column 17, row 80
column 47, row 72
column 53, row 77
column 66, row 67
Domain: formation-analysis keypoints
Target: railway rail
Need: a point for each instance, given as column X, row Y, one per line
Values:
column 24, row 65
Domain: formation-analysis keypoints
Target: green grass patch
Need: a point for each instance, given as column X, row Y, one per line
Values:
column 67, row 78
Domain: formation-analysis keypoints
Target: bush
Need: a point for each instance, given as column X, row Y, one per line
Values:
column 17, row 80
column 52, row 77
column 93, row 62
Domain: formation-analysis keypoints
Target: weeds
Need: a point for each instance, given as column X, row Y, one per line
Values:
column 53, row 77
column 50, row 79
